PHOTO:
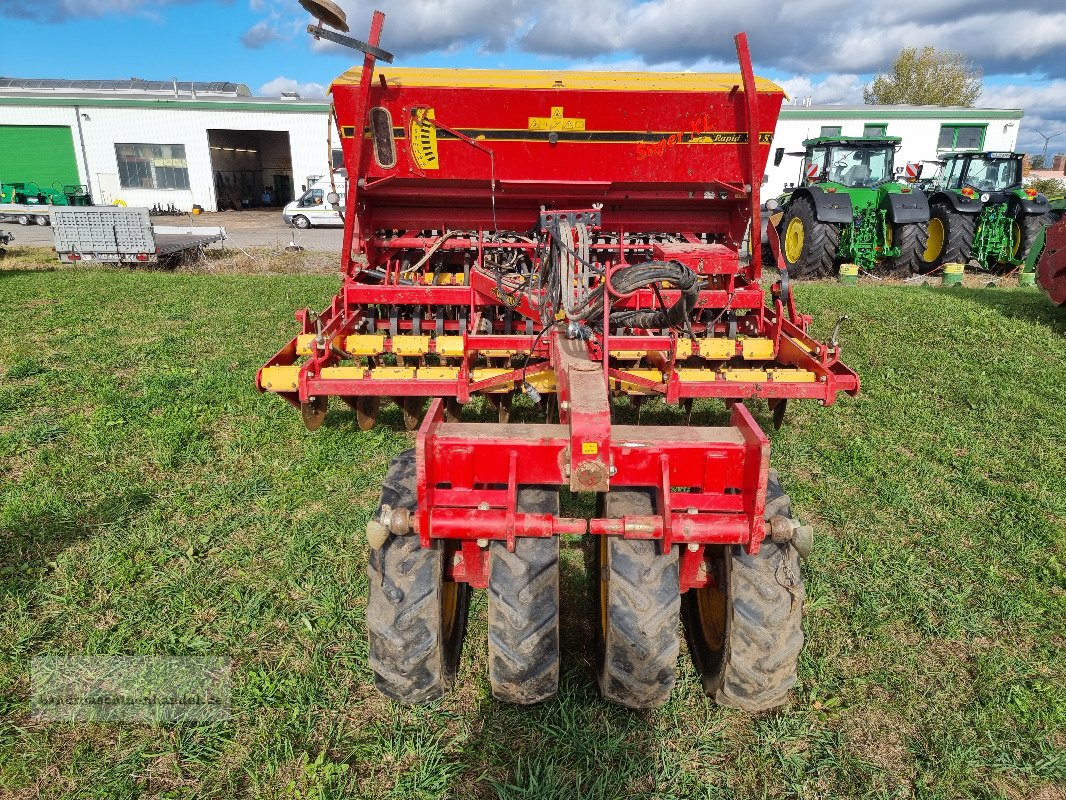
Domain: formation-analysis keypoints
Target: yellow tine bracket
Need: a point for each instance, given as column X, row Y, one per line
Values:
column 343, row 373
column 392, row 373
column 718, row 349
column 410, row 345
column 303, row 344
column 449, row 346
column 757, row 349
column 745, row 375
column 437, row 373
column 281, row 379
column 792, row 375
column 365, row 344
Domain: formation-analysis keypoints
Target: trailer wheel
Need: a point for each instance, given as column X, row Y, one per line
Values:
column 24, row 219
column 950, row 237
column 639, row 604
column 745, row 631
column 912, row 240
column 1025, row 229
column 416, row 617
column 810, row 247
column 524, row 610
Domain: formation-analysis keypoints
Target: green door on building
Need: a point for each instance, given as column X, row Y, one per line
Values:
column 43, row 154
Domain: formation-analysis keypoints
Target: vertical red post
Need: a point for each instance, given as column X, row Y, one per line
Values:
column 362, row 103
column 751, row 115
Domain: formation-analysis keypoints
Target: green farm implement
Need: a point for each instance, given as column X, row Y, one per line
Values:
column 850, row 209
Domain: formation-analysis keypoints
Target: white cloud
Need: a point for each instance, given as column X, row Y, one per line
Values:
column 260, row 35
column 844, row 89
column 309, row 91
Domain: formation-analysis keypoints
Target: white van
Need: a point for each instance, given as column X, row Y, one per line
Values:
column 314, row 208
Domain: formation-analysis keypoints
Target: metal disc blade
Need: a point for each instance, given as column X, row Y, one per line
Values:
column 328, row 12
column 314, row 412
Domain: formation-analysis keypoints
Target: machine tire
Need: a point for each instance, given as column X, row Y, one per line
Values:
column 301, row 222
column 912, row 239
column 1029, row 227
column 24, row 219
column 524, row 609
column 639, row 604
column 746, row 641
column 814, row 253
column 953, row 231
column 41, row 220
column 416, row 617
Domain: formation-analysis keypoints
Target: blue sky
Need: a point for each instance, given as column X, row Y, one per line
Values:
column 826, row 49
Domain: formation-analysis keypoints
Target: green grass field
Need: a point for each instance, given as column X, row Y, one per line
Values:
column 151, row 502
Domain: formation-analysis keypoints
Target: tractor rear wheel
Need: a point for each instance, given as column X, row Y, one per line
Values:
column 1025, row 229
column 416, row 616
column 524, row 609
column 950, row 237
column 639, row 604
column 810, row 246
column 745, row 629
column 912, row 239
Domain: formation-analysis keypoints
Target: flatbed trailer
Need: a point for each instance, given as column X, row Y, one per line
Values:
column 24, row 214
column 110, row 234
column 575, row 238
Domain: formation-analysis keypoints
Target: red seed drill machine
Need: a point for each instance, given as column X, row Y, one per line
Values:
column 581, row 238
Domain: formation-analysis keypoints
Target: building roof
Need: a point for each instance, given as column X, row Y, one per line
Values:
column 130, row 86
column 873, row 111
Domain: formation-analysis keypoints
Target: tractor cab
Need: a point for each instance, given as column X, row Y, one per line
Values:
column 853, row 163
column 981, row 173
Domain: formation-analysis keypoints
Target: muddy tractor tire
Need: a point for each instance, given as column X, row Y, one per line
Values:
column 415, row 615
column 639, row 604
column 745, row 631
column 524, row 610
column 911, row 239
column 949, row 237
column 808, row 246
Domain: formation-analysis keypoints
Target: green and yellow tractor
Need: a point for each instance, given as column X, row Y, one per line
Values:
column 980, row 213
column 849, row 208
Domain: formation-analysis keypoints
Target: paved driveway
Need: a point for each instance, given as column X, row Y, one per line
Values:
column 244, row 229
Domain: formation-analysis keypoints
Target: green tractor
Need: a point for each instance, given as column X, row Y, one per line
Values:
column 979, row 212
column 850, row 208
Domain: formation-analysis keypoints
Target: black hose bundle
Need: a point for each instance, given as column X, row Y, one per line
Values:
column 638, row 276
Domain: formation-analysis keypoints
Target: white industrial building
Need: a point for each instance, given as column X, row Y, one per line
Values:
column 180, row 144
column 927, row 133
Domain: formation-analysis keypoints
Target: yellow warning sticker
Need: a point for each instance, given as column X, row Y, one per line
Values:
column 589, row 448
column 556, row 122
column 424, row 139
